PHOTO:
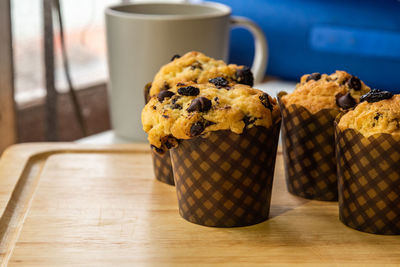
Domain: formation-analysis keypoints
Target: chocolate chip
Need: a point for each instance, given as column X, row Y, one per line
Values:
column 200, row 104
column 196, row 65
column 168, row 144
column 163, row 94
column 377, row 116
column 345, row 101
column 175, row 98
column 248, row 120
column 354, row 83
column 165, row 116
column 176, row 106
column 315, row 76
column 376, row 95
column 189, row 91
column 165, row 87
column 219, row 82
column 244, row 76
column 265, row 101
column 216, row 99
column 169, row 141
column 180, row 84
column 154, row 107
column 159, row 150
column 196, row 129
column 208, row 123
column 175, row 57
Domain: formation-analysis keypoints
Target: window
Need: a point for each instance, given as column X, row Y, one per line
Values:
column 85, row 39
column 84, row 29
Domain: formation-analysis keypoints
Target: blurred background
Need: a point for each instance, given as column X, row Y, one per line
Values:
column 304, row 36
column 85, row 43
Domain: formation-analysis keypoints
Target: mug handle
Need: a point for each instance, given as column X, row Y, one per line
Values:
column 259, row 65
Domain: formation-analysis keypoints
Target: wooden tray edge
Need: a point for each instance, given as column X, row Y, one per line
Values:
column 20, row 170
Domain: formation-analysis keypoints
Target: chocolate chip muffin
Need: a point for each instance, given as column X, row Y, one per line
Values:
column 308, row 137
column 378, row 112
column 367, row 152
column 315, row 92
column 187, row 110
column 198, row 68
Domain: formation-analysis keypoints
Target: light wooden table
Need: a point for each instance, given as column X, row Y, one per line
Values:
column 71, row 204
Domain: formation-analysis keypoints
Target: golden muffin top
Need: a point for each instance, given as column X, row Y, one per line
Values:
column 187, row 110
column 378, row 112
column 315, row 92
column 198, row 68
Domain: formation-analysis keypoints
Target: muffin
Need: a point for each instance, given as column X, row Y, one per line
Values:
column 368, row 156
column 308, row 132
column 222, row 138
column 192, row 67
column 198, row 68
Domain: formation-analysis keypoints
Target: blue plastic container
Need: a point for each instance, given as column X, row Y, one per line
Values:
column 305, row 36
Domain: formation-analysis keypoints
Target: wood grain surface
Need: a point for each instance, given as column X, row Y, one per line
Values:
column 66, row 205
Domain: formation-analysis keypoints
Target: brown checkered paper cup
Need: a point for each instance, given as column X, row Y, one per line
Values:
column 369, row 181
column 162, row 167
column 225, row 179
column 309, row 152
column 161, row 163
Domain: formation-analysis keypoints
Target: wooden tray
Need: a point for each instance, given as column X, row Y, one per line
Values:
column 67, row 204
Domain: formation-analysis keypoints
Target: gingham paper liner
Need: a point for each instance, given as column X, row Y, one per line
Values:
column 225, row 180
column 309, row 152
column 161, row 163
column 369, row 181
column 162, row 167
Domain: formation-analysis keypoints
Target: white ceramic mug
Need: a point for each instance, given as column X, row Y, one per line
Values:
column 144, row 36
